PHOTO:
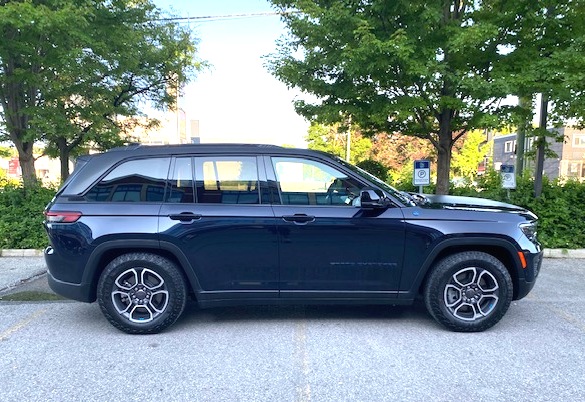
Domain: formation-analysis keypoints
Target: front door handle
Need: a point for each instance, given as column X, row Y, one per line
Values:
column 185, row 216
column 301, row 219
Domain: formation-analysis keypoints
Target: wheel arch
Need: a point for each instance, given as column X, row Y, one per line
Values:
column 106, row 252
column 501, row 249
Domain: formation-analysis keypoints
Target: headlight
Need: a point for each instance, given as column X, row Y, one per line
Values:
column 529, row 230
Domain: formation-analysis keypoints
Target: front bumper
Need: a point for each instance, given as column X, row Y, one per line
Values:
column 528, row 280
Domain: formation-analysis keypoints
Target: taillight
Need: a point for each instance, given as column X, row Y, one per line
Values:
column 62, row 216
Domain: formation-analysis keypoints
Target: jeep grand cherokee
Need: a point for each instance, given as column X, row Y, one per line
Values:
column 142, row 228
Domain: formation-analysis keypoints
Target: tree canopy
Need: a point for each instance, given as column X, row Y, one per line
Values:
column 75, row 72
column 433, row 70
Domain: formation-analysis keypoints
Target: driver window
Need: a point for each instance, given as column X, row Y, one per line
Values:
column 307, row 182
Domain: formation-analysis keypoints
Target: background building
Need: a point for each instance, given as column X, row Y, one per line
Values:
column 570, row 160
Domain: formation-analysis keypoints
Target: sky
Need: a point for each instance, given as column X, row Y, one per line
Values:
column 237, row 99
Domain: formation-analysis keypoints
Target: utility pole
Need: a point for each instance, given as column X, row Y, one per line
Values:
column 348, row 141
column 524, row 102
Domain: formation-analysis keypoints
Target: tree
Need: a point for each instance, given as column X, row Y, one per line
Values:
column 469, row 152
column 75, row 72
column 333, row 139
column 546, row 54
column 411, row 67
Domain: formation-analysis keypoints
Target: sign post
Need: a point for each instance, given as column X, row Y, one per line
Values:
column 422, row 174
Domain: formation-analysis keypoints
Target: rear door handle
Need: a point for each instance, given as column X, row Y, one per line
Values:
column 301, row 219
column 185, row 216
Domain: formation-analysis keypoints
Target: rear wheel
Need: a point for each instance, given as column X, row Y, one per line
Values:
column 468, row 291
column 141, row 293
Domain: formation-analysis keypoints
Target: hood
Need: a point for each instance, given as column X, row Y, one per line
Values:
column 468, row 203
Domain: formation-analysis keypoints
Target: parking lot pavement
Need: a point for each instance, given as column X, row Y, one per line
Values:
column 17, row 270
column 302, row 353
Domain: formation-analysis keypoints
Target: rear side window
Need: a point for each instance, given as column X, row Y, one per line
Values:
column 181, row 182
column 227, row 180
column 140, row 180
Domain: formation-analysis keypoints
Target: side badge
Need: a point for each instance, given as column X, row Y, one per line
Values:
column 416, row 213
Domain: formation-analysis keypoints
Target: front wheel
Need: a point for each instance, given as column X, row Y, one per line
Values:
column 469, row 291
column 141, row 293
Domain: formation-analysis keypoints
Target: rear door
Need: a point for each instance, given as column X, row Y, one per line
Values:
column 214, row 213
column 330, row 248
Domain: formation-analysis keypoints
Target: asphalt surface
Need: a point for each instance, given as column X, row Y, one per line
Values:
column 68, row 352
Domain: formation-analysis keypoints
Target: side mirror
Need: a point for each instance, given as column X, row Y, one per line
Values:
column 370, row 199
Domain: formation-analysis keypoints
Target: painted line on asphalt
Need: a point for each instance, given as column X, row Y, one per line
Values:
column 302, row 358
column 20, row 325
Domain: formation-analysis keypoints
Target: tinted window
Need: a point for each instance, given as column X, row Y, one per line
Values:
column 133, row 181
column 181, row 182
column 227, row 180
column 307, row 182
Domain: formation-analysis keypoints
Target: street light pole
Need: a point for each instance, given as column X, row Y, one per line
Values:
column 348, row 141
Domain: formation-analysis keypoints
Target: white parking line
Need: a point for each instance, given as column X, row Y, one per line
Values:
column 18, row 326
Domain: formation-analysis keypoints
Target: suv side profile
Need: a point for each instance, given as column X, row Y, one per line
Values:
column 142, row 228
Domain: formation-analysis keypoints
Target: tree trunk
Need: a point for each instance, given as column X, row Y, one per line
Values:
column 443, row 169
column 27, row 165
column 64, row 153
column 444, row 148
column 25, row 157
column 524, row 102
column 15, row 98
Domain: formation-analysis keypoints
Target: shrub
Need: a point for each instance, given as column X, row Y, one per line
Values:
column 21, row 216
column 560, row 208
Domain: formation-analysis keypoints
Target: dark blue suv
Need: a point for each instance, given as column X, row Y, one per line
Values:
column 142, row 228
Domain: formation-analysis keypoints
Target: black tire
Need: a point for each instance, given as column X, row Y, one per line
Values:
column 141, row 293
column 468, row 292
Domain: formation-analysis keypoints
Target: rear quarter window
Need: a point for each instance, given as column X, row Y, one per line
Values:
column 141, row 180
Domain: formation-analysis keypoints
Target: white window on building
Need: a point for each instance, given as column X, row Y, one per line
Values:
column 509, row 146
column 579, row 140
column 574, row 169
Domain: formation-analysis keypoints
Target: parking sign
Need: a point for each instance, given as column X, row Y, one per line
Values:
column 422, row 173
column 508, row 176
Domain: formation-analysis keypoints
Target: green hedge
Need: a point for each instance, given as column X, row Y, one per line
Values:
column 561, row 210
column 21, row 216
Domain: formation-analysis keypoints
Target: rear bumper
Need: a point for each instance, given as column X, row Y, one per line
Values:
column 73, row 291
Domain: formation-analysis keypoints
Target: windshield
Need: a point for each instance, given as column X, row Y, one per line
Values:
column 405, row 198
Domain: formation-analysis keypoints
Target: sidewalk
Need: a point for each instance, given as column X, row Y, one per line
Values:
column 16, row 270
column 18, row 266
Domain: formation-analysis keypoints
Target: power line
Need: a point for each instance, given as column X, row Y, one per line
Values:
column 225, row 16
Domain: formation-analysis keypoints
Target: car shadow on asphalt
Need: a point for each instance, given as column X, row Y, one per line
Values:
column 193, row 314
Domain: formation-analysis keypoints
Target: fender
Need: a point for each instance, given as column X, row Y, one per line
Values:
column 91, row 273
column 467, row 243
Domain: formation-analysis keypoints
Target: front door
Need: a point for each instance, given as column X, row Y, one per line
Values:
column 328, row 246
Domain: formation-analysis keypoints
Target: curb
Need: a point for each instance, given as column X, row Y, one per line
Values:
column 30, row 252
column 563, row 253
column 548, row 253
